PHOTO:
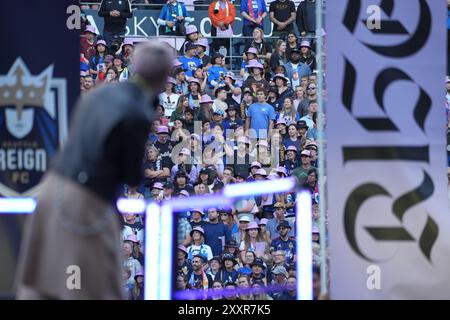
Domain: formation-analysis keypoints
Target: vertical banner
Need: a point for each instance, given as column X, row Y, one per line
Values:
column 388, row 202
column 39, row 81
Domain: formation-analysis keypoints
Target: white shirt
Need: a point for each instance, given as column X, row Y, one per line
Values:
column 169, row 103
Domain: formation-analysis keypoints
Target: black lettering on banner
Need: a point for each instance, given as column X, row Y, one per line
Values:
column 389, row 26
column 407, row 48
column 384, row 79
column 420, row 153
column 400, row 206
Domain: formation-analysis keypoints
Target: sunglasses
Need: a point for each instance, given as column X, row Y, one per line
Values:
column 311, row 88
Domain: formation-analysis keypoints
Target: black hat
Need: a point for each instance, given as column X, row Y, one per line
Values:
column 169, row 185
column 283, row 223
column 178, row 70
column 201, row 257
column 301, row 124
column 295, row 50
column 181, row 174
column 190, row 46
column 232, row 244
column 232, row 107
column 217, row 258
column 258, row 262
column 217, row 55
column 225, row 210
column 228, row 256
column 274, row 90
column 204, row 170
column 218, row 186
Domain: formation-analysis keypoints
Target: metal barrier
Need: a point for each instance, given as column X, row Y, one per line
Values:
column 160, row 222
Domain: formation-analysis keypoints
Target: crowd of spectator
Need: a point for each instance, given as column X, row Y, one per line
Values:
column 214, row 127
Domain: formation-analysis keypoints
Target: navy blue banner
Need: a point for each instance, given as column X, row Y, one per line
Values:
column 144, row 23
column 39, row 83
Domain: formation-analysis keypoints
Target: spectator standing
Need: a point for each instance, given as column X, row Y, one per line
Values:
column 282, row 15
column 174, row 17
column 260, row 117
column 198, row 246
column 311, row 94
column 198, row 278
column 279, row 215
column 115, row 14
column 256, row 80
column 281, row 83
column 96, row 64
column 87, row 42
column 301, row 173
column 306, row 18
column 307, row 56
column 156, row 169
column 253, row 12
column 222, row 14
column 169, row 99
column 216, row 233
column 279, row 57
column 284, row 242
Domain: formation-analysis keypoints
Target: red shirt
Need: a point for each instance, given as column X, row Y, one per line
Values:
column 88, row 49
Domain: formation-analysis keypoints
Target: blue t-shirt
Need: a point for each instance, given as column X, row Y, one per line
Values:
column 260, row 114
column 214, row 74
column 214, row 233
column 190, row 64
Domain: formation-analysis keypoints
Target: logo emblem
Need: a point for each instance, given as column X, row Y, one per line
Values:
column 33, row 125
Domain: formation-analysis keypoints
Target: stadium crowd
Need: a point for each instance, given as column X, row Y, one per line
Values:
column 214, row 127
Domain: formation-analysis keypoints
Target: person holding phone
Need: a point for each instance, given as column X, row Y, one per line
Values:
column 174, row 16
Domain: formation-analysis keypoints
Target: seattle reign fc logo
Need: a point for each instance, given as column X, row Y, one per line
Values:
column 33, row 125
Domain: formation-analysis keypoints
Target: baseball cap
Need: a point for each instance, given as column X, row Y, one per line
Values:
column 280, row 270
column 190, row 46
column 301, row 124
column 244, row 219
column 284, row 224
column 306, row 153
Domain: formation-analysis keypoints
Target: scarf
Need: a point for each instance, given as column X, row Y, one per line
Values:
column 205, row 283
column 250, row 9
column 174, row 9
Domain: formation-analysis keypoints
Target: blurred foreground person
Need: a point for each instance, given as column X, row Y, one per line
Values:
column 71, row 248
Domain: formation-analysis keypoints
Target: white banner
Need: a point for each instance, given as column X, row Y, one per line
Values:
column 387, row 195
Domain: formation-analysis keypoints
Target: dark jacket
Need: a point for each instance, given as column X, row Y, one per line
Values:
column 115, row 24
column 106, row 145
column 306, row 16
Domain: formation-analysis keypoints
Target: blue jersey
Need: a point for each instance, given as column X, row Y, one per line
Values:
column 190, row 64
column 287, row 246
column 214, row 75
